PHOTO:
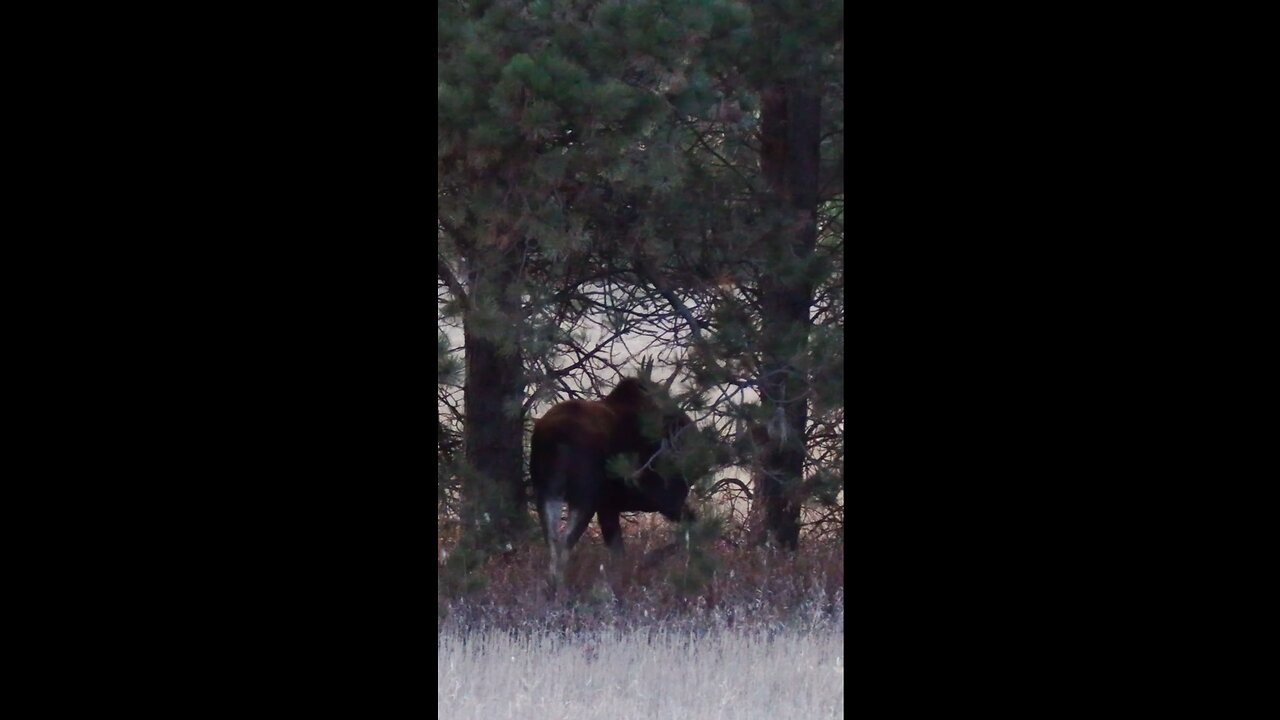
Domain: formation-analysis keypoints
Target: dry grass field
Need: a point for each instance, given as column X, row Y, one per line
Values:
column 723, row 674
column 761, row 636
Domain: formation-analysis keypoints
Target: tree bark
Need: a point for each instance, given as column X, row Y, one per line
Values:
column 493, row 393
column 790, row 138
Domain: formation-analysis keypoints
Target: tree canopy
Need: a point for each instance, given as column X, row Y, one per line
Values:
column 654, row 179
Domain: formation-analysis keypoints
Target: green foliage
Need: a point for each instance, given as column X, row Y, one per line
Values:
column 623, row 466
column 826, row 350
column 578, row 135
column 824, row 485
column 651, row 426
column 694, row 459
column 448, row 367
column 488, row 527
column 460, row 573
column 696, row 569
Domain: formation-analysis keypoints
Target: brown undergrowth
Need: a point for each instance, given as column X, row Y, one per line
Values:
column 657, row 584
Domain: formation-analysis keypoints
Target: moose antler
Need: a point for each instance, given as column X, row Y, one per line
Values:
column 646, row 368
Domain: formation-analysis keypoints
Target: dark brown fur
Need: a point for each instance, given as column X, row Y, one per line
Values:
column 572, row 444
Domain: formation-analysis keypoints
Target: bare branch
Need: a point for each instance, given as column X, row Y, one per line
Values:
column 726, row 482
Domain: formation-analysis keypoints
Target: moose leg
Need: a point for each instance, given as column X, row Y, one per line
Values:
column 544, row 521
column 549, row 512
column 611, row 530
column 578, row 521
column 564, row 542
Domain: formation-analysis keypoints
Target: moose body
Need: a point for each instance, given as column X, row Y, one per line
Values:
column 572, row 445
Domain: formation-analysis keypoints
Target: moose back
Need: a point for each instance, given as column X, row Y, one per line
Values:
column 572, row 444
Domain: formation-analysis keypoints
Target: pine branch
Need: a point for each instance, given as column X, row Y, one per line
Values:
column 450, row 280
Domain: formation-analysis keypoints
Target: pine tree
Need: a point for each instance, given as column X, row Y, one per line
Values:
column 760, row 187
column 606, row 159
column 549, row 114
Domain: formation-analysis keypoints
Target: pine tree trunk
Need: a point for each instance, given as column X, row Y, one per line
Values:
column 790, row 127
column 492, row 398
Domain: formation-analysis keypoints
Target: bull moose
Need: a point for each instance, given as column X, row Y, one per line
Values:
column 568, row 465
